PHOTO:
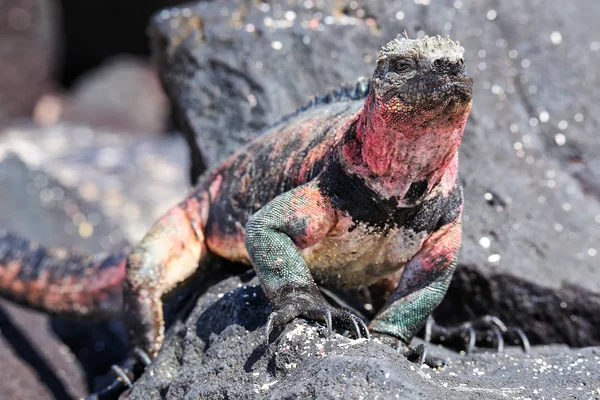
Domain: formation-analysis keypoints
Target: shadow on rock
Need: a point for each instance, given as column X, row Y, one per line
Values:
column 27, row 352
column 569, row 314
column 226, row 312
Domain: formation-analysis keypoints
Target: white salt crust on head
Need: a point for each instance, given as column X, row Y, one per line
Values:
column 434, row 47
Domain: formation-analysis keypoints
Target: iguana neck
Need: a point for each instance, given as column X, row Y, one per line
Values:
column 391, row 151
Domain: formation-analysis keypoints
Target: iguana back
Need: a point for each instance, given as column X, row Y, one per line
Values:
column 288, row 154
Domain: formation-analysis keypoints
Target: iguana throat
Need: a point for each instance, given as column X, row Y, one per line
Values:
column 411, row 125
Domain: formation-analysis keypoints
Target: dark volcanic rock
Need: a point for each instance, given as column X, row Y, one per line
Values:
column 95, row 31
column 235, row 67
column 529, row 158
column 220, row 353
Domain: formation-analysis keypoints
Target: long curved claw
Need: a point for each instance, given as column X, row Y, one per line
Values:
column 142, row 356
column 355, row 328
column 499, row 340
column 428, row 328
column 496, row 321
column 121, row 383
column 401, row 348
column 269, row 326
column 355, row 323
column 125, row 375
column 328, row 322
column 488, row 321
column 363, row 327
column 472, row 339
column 486, row 331
column 111, row 392
column 121, row 374
column 490, row 337
column 522, row 338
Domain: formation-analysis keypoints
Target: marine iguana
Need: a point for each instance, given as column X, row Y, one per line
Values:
column 357, row 188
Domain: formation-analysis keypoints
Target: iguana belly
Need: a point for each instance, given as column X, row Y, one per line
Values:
column 353, row 256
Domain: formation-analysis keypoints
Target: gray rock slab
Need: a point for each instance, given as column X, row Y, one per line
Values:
column 220, row 353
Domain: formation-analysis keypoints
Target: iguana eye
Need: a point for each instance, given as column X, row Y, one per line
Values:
column 402, row 66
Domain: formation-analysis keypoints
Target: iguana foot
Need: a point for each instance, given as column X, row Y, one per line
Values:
column 419, row 356
column 125, row 374
column 487, row 331
column 326, row 314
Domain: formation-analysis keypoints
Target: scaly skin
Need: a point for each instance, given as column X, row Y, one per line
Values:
column 60, row 282
column 357, row 188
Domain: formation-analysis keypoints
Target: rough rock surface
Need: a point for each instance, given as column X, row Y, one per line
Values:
column 528, row 160
column 220, row 353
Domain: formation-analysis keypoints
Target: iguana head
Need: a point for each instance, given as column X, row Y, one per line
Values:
column 413, row 119
column 421, row 77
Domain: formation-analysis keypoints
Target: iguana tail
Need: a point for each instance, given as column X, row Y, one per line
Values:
column 60, row 282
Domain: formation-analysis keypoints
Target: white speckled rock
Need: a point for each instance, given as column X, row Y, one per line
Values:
column 220, row 353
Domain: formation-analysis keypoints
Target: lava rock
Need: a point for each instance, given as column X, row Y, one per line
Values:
column 220, row 352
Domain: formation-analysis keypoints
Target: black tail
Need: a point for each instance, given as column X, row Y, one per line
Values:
column 60, row 282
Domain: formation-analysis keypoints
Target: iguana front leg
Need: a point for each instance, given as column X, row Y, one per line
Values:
column 274, row 235
column 422, row 285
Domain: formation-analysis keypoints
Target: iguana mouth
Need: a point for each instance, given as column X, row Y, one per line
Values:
column 463, row 88
column 426, row 89
column 462, row 85
column 466, row 83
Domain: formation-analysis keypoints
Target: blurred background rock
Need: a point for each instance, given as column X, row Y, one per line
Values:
column 30, row 32
column 76, row 84
column 83, row 155
column 83, row 62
